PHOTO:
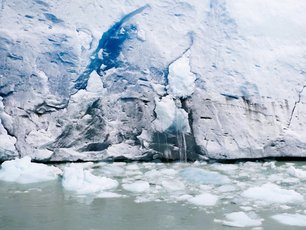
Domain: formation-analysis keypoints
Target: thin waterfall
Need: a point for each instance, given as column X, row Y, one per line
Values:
column 184, row 147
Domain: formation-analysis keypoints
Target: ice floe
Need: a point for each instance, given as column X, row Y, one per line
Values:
column 291, row 219
column 240, row 220
column 201, row 176
column 204, row 199
column 82, row 181
column 299, row 173
column 137, row 186
column 271, row 193
column 109, row 195
column 24, row 171
column 173, row 185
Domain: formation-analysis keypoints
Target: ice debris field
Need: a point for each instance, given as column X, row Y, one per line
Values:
column 243, row 190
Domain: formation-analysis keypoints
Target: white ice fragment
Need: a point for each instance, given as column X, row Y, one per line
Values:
column 226, row 188
column 152, row 174
column 137, row 186
column 24, row 171
column 201, row 176
column 109, row 195
column 181, row 79
column 269, row 165
column 272, row 193
column 165, row 113
column 246, row 208
column 285, row 207
column 204, row 199
column 113, row 170
column 299, row 173
column 132, row 167
column 184, row 197
column 173, row 185
column 82, row 181
column 291, row 219
column 94, row 84
column 168, row 115
column 227, row 168
column 168, row 172
column 240, row 220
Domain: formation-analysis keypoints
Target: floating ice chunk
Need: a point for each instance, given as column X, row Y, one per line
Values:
column 226, row 188
column 109, row 195
column 173, row 185
column 291, row 219
column 24, row 171
column 181, row 79
column 184, row 197
column 227, row 168
column 141, row 35
column 169, row 172
column 299, row 173
column 82, row 181
column 270, row 165
column 152, row 174
column 201, row 176
column 132, row 167
column 113, row 170
column 240, row 220
column 272, row 193
column 204, row 199
column 137, row 186
column 246, row 208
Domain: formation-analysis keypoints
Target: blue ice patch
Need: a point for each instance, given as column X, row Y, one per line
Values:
column 201, row 176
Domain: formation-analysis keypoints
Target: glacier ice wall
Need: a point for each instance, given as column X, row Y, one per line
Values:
column 148, row 80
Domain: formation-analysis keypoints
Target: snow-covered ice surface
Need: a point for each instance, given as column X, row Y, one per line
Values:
column 246, row 194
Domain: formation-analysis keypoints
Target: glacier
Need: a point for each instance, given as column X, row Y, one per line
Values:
column 152, row 80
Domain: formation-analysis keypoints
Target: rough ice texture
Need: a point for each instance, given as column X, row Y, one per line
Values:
column 74, row 84
column 23, row 171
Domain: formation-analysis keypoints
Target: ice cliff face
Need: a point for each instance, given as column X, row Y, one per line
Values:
column 152, row 79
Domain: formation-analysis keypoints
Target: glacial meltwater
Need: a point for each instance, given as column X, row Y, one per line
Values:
column 113, row 196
